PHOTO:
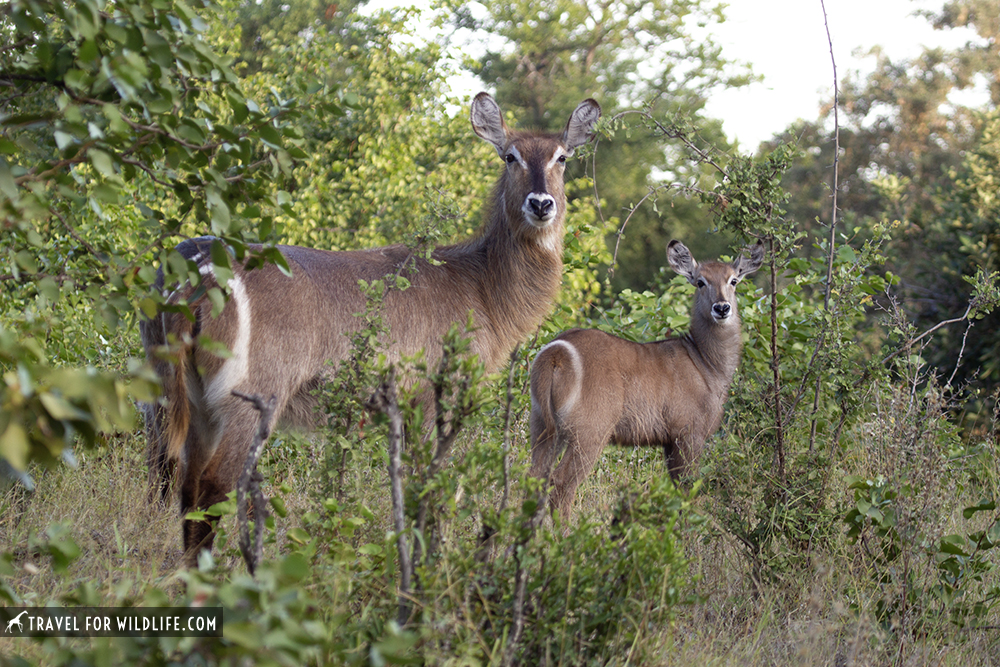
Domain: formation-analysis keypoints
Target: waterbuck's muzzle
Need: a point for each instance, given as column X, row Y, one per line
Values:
column 539, row 209
column 721, row 311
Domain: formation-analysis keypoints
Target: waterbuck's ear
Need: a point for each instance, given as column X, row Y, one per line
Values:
column 681, row 261
column 745, row 266
column 580, row 126
column 487, row 121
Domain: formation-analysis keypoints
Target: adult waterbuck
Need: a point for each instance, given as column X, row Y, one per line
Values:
column 589, row 388
column 283, row 332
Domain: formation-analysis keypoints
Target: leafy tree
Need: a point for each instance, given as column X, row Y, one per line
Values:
column 121, row 129
column 911, row 154
column 974, row 59
column 397, row 167
column 268, row 27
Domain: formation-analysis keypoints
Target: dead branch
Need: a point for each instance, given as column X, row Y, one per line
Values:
column 833, row 212
column 385, row 400
column 250, row 482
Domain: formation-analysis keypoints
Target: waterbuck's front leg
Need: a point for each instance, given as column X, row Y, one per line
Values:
column 212, row 472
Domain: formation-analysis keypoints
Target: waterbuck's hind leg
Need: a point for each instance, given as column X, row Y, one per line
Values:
column 682, row 455
column 579, row 459
column 543, row 448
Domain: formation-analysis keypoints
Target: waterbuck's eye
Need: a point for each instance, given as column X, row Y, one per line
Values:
column 562, row 159
column 734, row 282
column 701, row 283
column 511, row 158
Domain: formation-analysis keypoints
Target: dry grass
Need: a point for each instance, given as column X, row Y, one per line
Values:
column 103, row 501
column 798, row 622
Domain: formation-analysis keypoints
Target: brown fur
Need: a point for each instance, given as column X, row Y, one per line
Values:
column 508, row 276
column 589, row 388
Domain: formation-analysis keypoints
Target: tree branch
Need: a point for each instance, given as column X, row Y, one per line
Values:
column 385, row 400
column 833, row 212
column 250, row 482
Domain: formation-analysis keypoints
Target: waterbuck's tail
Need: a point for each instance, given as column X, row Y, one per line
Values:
column 556, row 378
column 167, row 424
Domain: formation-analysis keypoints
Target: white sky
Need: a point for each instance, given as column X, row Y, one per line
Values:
column 786, row 42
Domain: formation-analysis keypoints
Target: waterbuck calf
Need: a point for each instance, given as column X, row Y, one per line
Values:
column 589, row 388
column 283, row 331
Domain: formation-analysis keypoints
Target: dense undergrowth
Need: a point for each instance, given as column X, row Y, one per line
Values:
column 894, row 566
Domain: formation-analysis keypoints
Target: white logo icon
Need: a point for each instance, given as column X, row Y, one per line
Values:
column 17, row 621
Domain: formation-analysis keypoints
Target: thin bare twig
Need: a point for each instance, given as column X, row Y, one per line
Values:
column 779, row 438
column 385, row 400
column 17, row 45
column 652, row 192
column 934, row 328
column 836, row 163
column 833, row 212
column 670, row 133
column 79, row 239
column 250, row 482
column 521, row 571
column 961, row 351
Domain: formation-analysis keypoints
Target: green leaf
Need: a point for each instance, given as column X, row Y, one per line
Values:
column 158, row 49
column 982, row 506
column 159, row 105
column 191, row 133
column 48, row 288
column 61, row 409
column 270, row 136
column 295, row 567
column 370, row 549
column 102, row 162
column 220, row 212
column 7, row 185
column 299, row 536
column 220, row 263
column 64, row 139
column 954, row 544
column 243, row 634
column 106, row 192
column 63, row 551
column 14, row 446
column 26, row 260
column 278, row 505
column 846, row 253
column 218, row 300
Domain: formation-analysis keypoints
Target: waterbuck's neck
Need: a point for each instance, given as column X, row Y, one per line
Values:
column 517, row 268
column 717, row 346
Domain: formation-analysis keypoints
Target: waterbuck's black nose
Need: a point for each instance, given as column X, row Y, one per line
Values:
column 721, row 310
column 541, row 206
